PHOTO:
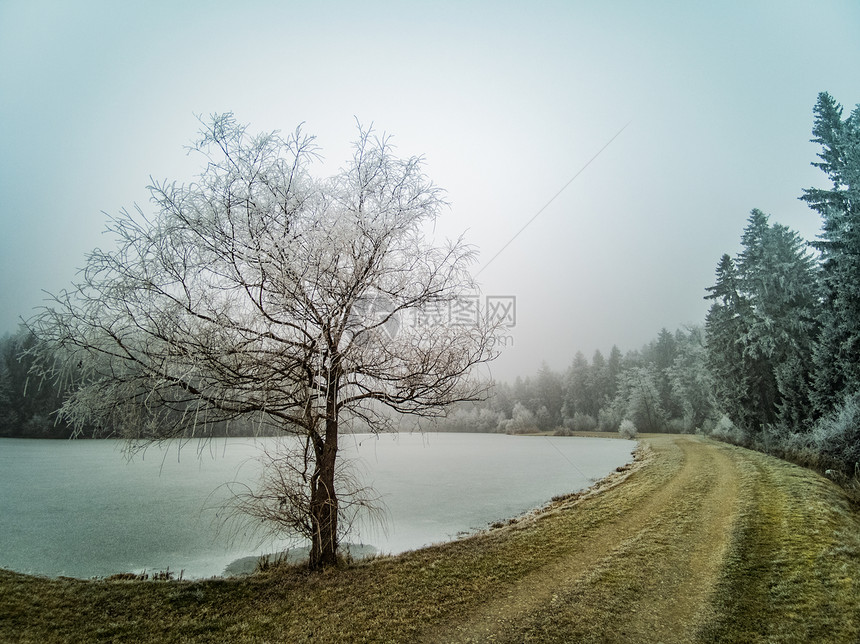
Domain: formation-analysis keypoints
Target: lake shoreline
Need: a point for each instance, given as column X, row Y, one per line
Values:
column 92, row 513
column 297, row 556
column 356, row 552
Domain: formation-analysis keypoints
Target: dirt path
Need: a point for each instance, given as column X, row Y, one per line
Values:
column 655, row 563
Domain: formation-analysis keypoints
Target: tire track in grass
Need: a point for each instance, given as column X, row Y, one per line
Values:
column 786, row 578
column 649, row 570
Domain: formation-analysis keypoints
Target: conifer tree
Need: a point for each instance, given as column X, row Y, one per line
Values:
column 837, row 354
column 761, row 328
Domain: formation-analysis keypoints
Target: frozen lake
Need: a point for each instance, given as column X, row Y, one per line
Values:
column 79, row 508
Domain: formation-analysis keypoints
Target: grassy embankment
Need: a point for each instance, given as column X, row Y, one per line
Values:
column 698, row 541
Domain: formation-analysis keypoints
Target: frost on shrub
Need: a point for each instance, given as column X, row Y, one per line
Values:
column 678, row 426
column 580, row 423
column 837, row 436
column 627, row 429
column 609, row 418
column 543, row 419
column 487, row 420
column 726, row 430
column 522, row 420
column 470, row 419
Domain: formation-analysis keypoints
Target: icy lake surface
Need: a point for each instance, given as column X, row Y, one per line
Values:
column 81, row 509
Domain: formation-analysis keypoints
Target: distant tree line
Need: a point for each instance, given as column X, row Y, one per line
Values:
column 26, row 406
column 664, row 386
column 29, row 404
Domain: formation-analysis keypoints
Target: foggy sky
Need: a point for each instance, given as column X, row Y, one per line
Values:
column 506, row 101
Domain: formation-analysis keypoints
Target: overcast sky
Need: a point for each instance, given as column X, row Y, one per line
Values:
column 507, row 101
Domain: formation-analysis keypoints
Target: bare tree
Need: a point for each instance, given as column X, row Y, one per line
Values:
column 260, row 292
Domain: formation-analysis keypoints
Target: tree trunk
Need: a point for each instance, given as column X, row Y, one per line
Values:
column 324, row 500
